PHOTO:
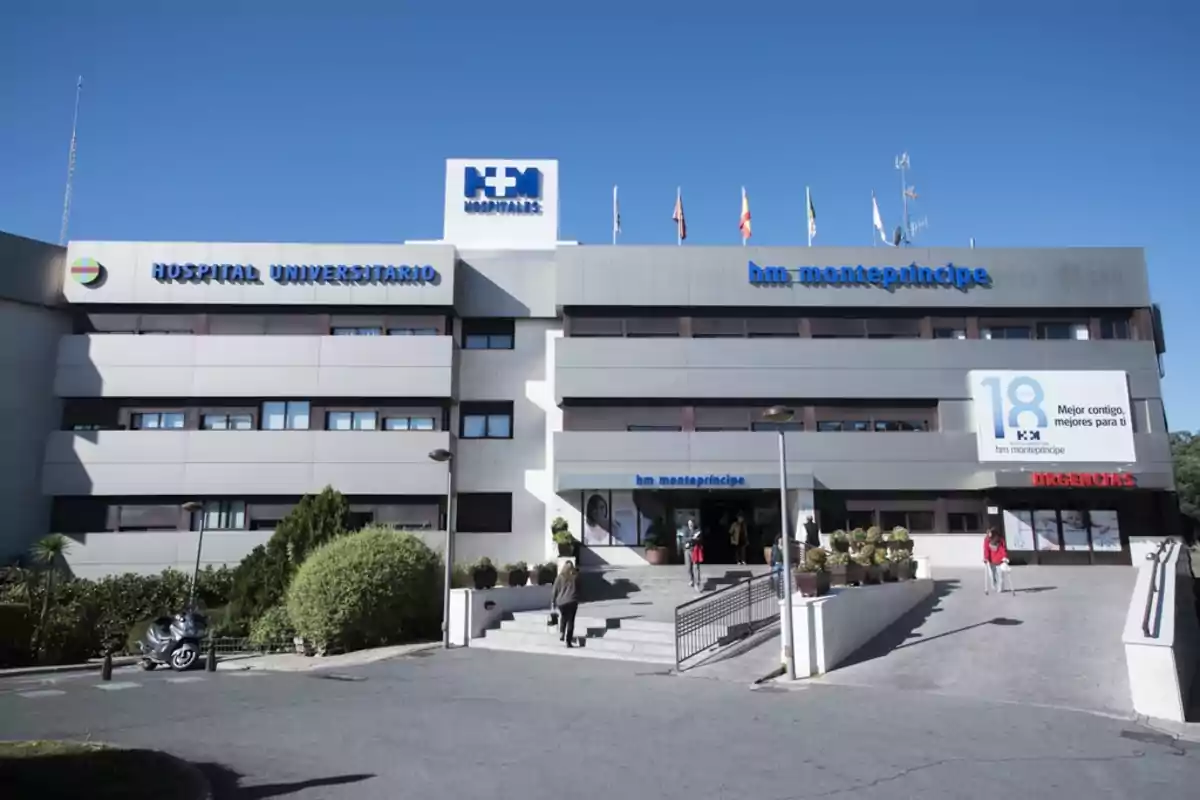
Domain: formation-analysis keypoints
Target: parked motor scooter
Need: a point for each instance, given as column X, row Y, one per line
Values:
column 174, row 641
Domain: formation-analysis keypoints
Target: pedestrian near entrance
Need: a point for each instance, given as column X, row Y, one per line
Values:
column 739, row 537
column 995, row 562
column 566, row 600
column 693, row 552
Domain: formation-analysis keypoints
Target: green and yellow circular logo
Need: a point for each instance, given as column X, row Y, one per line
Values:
column 86, row 271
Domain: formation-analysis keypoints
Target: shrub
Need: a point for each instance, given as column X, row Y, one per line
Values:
column 483, row 574
column 16, row 633
column 858, row 536
column 865, row 555
column 814, row 559
column 516, row 574
column 837, row 558
column 874, row 535
column 839, row 541
column 560, row 530
column 546, row 573
column 272, row 628
column 460, row 577
column 378, row 586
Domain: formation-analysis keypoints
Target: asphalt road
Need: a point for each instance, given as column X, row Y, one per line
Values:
column 485, row 724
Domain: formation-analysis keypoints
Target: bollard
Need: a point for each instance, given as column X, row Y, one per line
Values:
column 106, row 668
column 210, row 663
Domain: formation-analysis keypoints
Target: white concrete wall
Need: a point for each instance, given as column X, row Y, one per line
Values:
column 473, row 611
column 829, row 629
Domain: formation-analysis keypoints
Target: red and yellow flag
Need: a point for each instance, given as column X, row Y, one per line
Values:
column 744, row 223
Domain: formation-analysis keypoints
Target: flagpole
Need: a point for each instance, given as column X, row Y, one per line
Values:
column 616, row 217
column 808, row 213
column 678, row 230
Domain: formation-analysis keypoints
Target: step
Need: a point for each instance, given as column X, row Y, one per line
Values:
column 622, row 634
column 659, row 646
column 556, row 648
column 583, row 622
column 537, row 642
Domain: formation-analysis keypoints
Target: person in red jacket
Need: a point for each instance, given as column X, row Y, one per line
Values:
column 995, row 557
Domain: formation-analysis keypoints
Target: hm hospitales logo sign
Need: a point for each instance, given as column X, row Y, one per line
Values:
column 1053, row 416
column 502, row 190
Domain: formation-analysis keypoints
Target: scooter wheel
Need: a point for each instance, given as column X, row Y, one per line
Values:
column 147, row 664
column 184, row 657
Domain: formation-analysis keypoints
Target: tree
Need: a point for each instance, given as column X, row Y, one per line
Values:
column 1185, row 451
column 48, row 553
column 261, row 580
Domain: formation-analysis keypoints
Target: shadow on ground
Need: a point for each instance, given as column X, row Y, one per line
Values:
column 61, row 771
column 601, row 586
column 903, row 632
column 225, row 784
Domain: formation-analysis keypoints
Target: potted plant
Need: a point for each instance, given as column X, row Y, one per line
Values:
column 837, row 565
column 483, row 573
column 902, row 566
column 858, row 538
column 839, row 542
column 899, row 539
column 875, row 536
column 516, row 574
column 657, row 551
column 561, row 532
column 811, row 578
column 865, row 558
column 546, row 573
column 884, row 564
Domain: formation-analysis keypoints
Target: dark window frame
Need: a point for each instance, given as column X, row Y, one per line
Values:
column 486, row 410
column 485, row 333
column 287, row 404
column 473, row 517
column 136, row 414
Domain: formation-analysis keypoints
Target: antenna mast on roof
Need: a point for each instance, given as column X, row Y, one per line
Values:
column 907, row 192
column 66, row 215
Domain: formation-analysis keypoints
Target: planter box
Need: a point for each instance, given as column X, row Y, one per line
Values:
column 904, row 570
column 812, row 584
column 845, row 574
column 657, row 556
column 872, row 575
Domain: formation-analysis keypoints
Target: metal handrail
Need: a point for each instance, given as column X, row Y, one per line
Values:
column 1159, row 557
column 725, row 616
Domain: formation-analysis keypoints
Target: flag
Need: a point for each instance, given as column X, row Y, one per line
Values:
column 878, row 220
column 911, row 192
column 680, row 222
column 812, row 216
column 616, row 215
column 744, row 221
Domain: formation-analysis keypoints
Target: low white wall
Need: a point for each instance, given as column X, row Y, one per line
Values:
column 943, row 549
column 1162, row 665
column 829, row 629
column 1140, row 547
column 472, row 611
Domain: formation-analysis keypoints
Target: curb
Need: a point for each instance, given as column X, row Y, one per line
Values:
column 50, row 669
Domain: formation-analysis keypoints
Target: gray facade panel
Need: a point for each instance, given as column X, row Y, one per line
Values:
column 840, row 461
column 30, row 271
column 597, row 368
column 717, row 276
column 517, row 284
column 119, row 365
column 243, row 463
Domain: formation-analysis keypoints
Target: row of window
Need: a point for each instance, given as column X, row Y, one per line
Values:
column 842, row 328
column 476, row 512
column 912, row 521
column 476, row 421
column 823, row 426
column 477, row 334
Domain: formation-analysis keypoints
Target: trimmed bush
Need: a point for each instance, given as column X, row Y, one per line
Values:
column 378, row 586
column 16, row 632
column 272, row 628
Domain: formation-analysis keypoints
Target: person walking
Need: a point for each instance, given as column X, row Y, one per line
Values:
column 777, row 566
column 995, row 561
column 693, row 553
column 739, row 537
column 566, row 599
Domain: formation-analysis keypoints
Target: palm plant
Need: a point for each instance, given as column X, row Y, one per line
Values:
column 48, row 554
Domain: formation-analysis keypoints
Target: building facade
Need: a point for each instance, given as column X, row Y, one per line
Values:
column 615, row 386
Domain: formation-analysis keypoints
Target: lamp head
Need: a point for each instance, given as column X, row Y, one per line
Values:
column 441, row 455
column 779, row 414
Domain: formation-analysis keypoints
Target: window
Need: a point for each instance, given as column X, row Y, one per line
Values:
column 1114, row 328
column 484, row 512
column 486, row 421
column 291, row 415
column 949, row 333
column 487, row 334
column 652, row 327
column 228, row 515
column 859, row 519
column 154, row 420
column 350, row 421
column 595, row 326
column 714, row 327
column 643, row 428
column 227, row 422
column 889, row 328
column 773, row 327
column 913, row 521
column 1007, row 332
column 854, row 425
column 964, row 522
column 901, row 425
column 408, row 424
column 412, row 331
column 1062, row 330
column 794, row 425
column 355, row 331
column 838, row 328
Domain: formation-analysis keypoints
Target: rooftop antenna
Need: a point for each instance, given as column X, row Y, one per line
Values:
column 910, row 227
column 66, row 215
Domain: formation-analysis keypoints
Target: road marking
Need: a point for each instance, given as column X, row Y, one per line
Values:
column 117, row 686
column 42, row 693
column 184, row 679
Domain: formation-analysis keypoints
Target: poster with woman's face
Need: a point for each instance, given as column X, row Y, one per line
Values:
column 597, row 524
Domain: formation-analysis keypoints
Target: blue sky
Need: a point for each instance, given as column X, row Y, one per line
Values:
column 1034, row 124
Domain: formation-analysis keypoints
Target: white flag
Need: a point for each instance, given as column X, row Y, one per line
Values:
column 878, row 220
column 616, row 215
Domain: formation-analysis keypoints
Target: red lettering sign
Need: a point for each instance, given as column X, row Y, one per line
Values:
column 1094, row 480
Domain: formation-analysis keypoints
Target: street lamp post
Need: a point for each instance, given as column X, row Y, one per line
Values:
column 192, row 507
column 780, row 415
column 444, row 456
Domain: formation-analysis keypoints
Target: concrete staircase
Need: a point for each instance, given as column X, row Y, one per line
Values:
column 614, row 638
column 628, row 614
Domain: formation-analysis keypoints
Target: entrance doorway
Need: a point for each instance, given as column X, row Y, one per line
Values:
column 719, row 510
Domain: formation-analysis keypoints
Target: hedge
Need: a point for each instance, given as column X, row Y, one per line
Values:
column 379, row 586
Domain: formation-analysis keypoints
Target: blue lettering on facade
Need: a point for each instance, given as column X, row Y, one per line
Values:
column 889, row 278
column 690, row 481
column 505, row 190
column 333, row 274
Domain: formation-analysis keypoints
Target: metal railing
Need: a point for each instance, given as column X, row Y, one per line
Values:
column 1152, row 616
column 238, row 645
column 725, row 616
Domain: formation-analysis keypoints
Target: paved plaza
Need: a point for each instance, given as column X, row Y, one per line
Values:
column 477, row 724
